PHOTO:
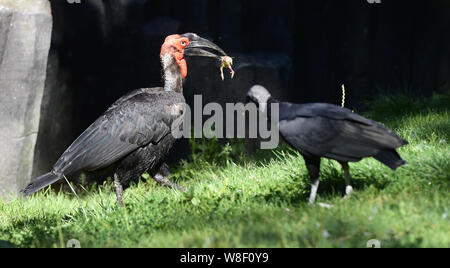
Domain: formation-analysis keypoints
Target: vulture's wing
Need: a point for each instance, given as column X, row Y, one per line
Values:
column 330, row 131
column 132, row 122
column 289, row 111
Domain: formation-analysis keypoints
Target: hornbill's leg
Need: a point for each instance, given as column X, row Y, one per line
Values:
column 119, row 190
column 348, row 179
column 161, row 178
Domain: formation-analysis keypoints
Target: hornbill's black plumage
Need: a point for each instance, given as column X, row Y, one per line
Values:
column 135, row 134
column 319, row 130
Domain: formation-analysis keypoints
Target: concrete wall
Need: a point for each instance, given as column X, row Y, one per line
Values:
column 25, row 34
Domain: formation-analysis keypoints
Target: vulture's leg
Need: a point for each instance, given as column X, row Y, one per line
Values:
column 119, row 190
column 348, row 180
column 313, row 166
column 161, row 178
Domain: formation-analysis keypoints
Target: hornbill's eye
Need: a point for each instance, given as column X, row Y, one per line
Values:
column 183, row 43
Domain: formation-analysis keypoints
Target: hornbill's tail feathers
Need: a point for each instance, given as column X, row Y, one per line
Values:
column 40, row 183
column 390, row 158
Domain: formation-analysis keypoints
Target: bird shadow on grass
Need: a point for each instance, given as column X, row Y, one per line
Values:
column 332, row 180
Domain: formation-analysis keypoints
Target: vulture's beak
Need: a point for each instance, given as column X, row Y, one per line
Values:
column 201, row 47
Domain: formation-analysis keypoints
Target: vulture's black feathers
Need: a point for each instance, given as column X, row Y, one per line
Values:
column 320, row 130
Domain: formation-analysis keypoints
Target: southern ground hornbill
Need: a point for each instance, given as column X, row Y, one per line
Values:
column 134, row 135
column 319, row 130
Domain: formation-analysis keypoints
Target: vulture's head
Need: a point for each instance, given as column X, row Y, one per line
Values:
column 176, row 47
column 259, row 95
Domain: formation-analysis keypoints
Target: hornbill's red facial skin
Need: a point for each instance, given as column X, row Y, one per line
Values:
column 175, row 45
column 190, row 44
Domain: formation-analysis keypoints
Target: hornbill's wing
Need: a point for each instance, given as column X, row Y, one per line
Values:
column 141, row 119
column 133, row 93
column 330, row 131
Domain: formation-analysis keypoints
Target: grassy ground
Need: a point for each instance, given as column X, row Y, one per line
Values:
column 261, row 202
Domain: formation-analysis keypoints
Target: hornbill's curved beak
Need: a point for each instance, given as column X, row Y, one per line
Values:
column 201, row 47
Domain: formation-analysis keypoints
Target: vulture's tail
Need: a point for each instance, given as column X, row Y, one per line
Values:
column 40, row 183
column 390, row 158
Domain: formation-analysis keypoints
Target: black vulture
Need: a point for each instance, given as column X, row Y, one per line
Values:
column 319, row 130
column 135, row 134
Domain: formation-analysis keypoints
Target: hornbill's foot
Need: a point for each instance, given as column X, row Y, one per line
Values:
column 119, row 190
column 161, row 178
column 164, row 181
column 164, row 170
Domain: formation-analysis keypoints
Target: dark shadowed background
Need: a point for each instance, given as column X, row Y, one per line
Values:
column 302, row 50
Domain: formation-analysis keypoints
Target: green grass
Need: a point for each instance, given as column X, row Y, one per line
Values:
column 261, row 201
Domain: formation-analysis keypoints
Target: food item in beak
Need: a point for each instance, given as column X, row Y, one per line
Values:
column 227, row 62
